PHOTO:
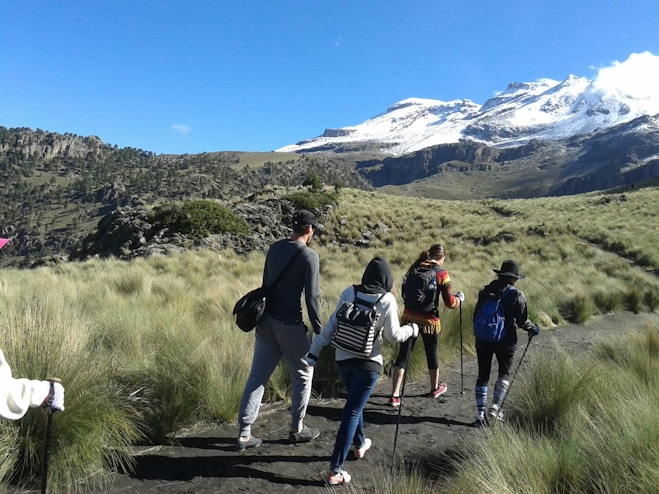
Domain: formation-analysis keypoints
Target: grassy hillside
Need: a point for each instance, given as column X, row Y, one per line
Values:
column 148, row 347
column 56, row 187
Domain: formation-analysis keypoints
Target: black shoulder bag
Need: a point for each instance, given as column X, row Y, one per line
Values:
column 251, row 306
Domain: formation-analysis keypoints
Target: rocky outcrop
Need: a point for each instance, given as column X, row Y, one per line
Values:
column 27, row 143
column 133, row 232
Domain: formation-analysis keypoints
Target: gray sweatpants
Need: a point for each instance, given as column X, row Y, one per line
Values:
column 274, row 340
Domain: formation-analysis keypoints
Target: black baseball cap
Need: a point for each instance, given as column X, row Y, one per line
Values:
column 304, row 218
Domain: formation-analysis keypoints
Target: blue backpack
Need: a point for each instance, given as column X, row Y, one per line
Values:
column 490, row 322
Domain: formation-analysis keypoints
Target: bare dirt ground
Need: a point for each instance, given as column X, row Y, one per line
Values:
column 205, row 462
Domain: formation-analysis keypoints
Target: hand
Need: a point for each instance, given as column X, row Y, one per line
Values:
column 311, row 360
column 460, row 296
column 55, row 400
column 535, row 331
column 415, row 330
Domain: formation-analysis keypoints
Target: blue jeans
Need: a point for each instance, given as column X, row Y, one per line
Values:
column 359, row 383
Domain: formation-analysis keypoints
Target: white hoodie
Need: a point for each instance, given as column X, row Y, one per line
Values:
column 17, row 395
column 388, row 322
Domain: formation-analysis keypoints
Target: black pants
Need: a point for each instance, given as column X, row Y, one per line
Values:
column 485, row 351
column 430, row 344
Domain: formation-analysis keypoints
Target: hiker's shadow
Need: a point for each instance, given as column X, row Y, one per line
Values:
column 374, row 416
column 216, row 443
column 239, row 465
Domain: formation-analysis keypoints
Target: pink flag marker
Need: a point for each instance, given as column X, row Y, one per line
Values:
column 3, row 242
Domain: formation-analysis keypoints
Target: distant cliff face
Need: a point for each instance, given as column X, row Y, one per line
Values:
column 47, row 145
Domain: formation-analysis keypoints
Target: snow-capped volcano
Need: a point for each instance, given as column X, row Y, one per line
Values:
column 544, row 110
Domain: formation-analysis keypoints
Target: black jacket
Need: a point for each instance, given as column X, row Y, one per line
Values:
column 514, row 306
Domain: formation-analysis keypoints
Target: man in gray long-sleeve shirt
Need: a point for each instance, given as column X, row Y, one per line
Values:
column 281, row 331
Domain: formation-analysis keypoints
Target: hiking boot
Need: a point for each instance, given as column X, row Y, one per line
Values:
column 495, row 413
column 252, row 442
column 394, row 401
column 340, row 478
column 304, row 436
column 441, row 389
column 359, row 453
column 480, row 422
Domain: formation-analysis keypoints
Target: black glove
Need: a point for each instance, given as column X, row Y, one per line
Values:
column 535, row 331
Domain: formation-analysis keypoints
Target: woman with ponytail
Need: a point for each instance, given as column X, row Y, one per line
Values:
column 424, row 284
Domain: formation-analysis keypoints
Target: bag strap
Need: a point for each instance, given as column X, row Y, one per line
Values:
column 510, row 288
column 286, row 268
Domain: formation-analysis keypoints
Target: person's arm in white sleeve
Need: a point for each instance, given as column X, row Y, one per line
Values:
column 17, row 395
column 392, row 329
column 327, row 333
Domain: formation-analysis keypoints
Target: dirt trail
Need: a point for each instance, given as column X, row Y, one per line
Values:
column 205, row 461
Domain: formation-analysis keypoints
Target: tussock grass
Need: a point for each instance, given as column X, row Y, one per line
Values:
column 578, row 426
column 577, row 309
column 44, row 337
column 148, row 347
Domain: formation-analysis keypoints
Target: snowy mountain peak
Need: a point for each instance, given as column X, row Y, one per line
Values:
column 545, row 109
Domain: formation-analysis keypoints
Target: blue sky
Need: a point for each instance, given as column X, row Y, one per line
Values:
column 187, row 76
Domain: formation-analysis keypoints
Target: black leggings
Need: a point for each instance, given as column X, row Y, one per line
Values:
column 485, row 351
column 430, row 343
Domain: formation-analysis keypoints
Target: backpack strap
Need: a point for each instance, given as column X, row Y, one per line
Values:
column 510, row 288
column 286, row 268
column 437, row 269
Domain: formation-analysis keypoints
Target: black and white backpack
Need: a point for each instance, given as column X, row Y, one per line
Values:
column 356, row 330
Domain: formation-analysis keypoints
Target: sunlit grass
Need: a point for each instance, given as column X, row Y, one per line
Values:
column 150, row 346
column 577, row 426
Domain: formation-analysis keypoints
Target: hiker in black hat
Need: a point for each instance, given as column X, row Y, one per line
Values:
column 500, row 307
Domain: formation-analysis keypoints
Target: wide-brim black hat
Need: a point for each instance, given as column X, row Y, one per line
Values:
column 509, row 268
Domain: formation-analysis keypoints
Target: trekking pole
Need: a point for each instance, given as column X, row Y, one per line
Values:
column 49, row 425
column 462, row 383
column 516, row 370
column 400, row 409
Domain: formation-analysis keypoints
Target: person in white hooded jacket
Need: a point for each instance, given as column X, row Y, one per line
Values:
column 18, row 395
column 360, row 375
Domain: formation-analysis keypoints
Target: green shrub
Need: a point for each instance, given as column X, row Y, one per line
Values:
column 313, row 181
column 311, row 200
column 199, row 219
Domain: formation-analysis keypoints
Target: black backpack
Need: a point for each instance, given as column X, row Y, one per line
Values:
column 420, row 288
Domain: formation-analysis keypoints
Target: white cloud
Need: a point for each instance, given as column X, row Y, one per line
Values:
column 637, row 77
column 181, row 129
